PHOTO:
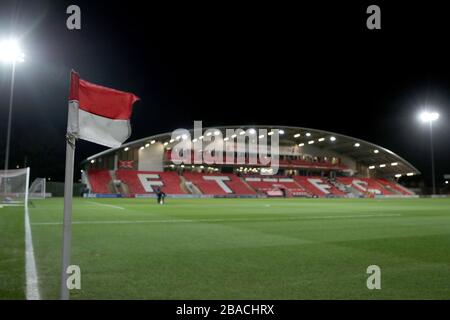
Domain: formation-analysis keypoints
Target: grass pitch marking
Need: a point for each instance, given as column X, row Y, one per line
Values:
column 221, row 220
column 107, row 205
column 32, row 289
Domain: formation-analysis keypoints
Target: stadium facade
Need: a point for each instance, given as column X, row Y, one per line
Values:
column 312, row 163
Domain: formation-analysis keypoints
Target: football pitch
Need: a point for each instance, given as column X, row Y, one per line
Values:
column 234, row 248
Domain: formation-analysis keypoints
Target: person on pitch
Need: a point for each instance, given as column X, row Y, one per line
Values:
column 160, row 195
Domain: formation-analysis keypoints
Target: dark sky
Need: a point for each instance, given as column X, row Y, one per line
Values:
column 227, row 63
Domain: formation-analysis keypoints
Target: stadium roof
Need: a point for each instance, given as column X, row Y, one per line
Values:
column 374, row 156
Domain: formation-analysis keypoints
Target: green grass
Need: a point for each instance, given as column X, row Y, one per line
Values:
column 239, row 248
column 12, row 253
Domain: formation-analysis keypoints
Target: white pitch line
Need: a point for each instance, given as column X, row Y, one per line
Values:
column 218, row 220
column 32, row 291
column 107, row 205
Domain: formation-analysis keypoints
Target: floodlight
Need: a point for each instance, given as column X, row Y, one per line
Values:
column 11, row 52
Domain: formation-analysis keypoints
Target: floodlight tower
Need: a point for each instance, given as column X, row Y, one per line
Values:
column 10, row 52
column 430, row 117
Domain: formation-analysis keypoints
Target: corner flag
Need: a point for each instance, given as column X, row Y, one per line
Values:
column 96, row 114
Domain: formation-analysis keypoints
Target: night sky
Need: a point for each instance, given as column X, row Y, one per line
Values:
column 226, row 63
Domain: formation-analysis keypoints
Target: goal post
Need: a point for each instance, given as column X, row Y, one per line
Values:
column 37, row 189
column 14, row 185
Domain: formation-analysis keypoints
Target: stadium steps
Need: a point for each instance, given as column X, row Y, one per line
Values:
column 189, row 187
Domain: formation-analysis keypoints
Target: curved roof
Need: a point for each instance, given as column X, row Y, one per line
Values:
column 362, row 151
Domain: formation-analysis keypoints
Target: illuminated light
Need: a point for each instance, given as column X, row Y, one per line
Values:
column 242, row 133
column 270, row 133
column 208, row 134
column 126, row 149
column 153, row 142
column 409, row 174
column 357, row 145
column 446, row 181
column 194, row 140
column 178, row 138
column 252, row 131
column 182, row 166
column 382, row 165
column 398, row 175
column 166, row 143
column 296, row 135
column 184, row 136
column 376, row 151
column 233, row 136
column 394, row 164
column 429, row 116
column 226, row 139
column 141, row 148
column 147, row 145
column 281, row 131
column 200, row 138
column 321, row 139
column 332, row 138
column 308, row 134
column 171, row 140
column 201, row 167
column 192, row 167
column 216, row 133
column 311, row 142
column 92, row 161
column 172, row 166
column 10, row 51
column 371, row 167
column 261, row 136
column 301, row 144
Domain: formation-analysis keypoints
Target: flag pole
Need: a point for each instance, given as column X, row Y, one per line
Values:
column 68, row 194
column 67, row 222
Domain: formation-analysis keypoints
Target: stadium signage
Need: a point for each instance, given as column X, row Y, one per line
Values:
column 240, row 147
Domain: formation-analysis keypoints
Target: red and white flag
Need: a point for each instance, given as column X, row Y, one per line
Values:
column 99, row 114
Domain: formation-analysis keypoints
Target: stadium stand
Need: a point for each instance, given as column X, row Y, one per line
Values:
column 267, row 185
column 145, row 182
column 318, row 186
column 142, row 182
column 218, row 184
column 99, row 180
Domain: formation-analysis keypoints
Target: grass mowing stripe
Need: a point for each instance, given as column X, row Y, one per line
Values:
column 222, row 220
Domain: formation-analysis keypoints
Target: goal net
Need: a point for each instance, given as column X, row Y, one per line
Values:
column 14, row 185
column 37, row 189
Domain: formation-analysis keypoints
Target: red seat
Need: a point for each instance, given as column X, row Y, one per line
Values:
column 99, row 180
column 145, row 182
column 211, row 184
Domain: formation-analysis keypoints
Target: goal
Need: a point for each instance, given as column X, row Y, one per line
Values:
column 37, row 189
column 14, row 186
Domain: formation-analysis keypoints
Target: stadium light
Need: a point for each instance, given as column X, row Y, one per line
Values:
column 216, row 133
column 398, row 175
column 446, row 181
column 382, row 165
column 301, row 144
column 226, row 139
column 270, row 133
column 376, row 151
column 394, row 164
column 371, row 167
column 357, row 145
column 332, row 138
column 141, row 148
column 126, row 149
column 321, row 139
column 10, row 52
column 281, row 131
column 296, row 135
column 429, row 117
column 152, row 142
column 311, row 142
column 252, row 131
column 308, row 134
column 147, row 145
column 409, row 174
column 261, row 136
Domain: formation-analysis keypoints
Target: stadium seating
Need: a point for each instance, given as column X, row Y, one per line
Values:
column 365, row 185
column 145, row 182
column 267, row 185
column 218, row 184
column 318, row 186
column 142, row 182
column 99, row 180
column 393, row 186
